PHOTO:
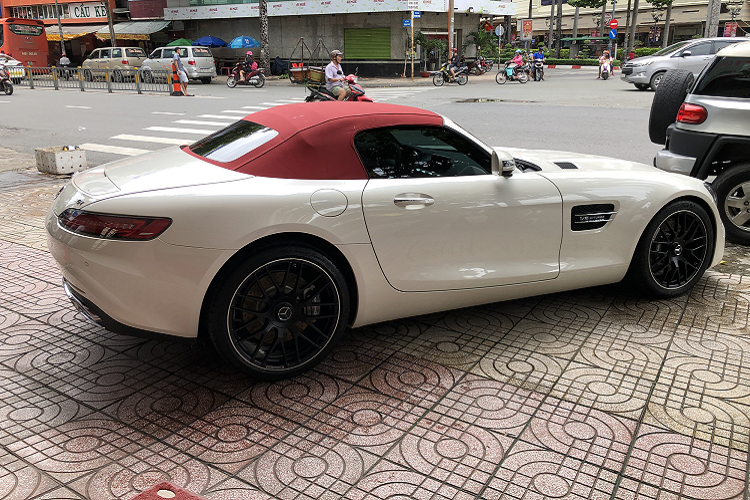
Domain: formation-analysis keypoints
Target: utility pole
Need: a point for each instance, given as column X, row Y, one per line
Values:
column 413, row 52
column 59, row 27
column 712, row 18
column 112, row 39
column 450, row 28
column 609, row 47
column 265, row 59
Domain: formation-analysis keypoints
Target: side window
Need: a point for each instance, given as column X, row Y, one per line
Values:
column 183, row 52
column 700, row 49
column 103, row 54
column 415, row 152
column 720, row 44
column 167, row 54
column 155, row 54
column 116, row 53
column 94, row 54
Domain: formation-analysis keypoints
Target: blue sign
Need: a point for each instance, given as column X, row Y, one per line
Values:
column 407, row 22
column 417, row 14
column 612, row 34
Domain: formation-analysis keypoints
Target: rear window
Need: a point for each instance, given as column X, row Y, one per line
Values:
column 726, row 77
column 135, row 52
column 233, row 142
column 201, row 52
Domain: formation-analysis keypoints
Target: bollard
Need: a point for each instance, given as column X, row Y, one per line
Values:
column 137, row 82
column 80, row 78
column 109, row 82
column 31, row 77
column 54, row 78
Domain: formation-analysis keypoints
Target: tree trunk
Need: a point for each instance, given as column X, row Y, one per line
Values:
column 625, row 29
column 265, row 58
column 633, row 24
column 712, row 18
column 551, row 24
column 558, row 29
column 603, row 21
column 665, row 35
column 575, row 22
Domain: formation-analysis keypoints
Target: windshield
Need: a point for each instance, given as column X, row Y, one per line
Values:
column 201, row 52
column 671, row 49
column 234, row 141
column 726, row 77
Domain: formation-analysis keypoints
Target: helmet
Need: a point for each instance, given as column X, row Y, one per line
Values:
column 455, row 49
column 249, row 52
column 518, row 51
column 606, row 52
column 335, row 53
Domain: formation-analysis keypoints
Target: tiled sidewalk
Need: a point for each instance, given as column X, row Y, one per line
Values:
column 589, row 394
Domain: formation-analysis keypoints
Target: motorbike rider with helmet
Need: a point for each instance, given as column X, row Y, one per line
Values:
column 335, row 79
column 453, row 63
column 605, row 59
column 538, row 56
column 248, row 65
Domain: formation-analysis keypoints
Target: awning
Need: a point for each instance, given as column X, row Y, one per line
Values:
column 70, row 31
column 134, row 30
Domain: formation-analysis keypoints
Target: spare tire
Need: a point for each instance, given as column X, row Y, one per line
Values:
column 668, row 98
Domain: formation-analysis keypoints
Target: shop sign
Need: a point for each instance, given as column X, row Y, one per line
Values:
column 89, row 10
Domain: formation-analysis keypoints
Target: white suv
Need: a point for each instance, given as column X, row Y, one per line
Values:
column 711, row 136
column 198, row 62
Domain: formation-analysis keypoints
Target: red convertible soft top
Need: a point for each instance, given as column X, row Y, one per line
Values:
column 316, row 139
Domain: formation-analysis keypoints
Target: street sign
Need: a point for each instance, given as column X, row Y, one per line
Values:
column 499, row 30
column 412, row 4
column 407, row 23
column 607, row 17
column 614, row 24
column 417, row 14
column 612, row 34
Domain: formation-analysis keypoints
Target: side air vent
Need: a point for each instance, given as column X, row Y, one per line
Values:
column 566, row 165
column 527, row 166
column 585, row 217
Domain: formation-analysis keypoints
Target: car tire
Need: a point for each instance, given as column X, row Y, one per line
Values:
column 206, row 80
column 501, row 77
column 87, row 75
column 656, row 80
column 462, row 79
column 642, row 86
column 147, row 77
column 280, row 312
column 732, row 188
column 117, row 76
column 437, row 80
column 668, row 98
column 675, row 249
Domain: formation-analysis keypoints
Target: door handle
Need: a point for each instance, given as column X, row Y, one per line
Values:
column 412, row 199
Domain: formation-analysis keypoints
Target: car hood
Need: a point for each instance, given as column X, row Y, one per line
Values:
column 644, row 59
column 550, row 161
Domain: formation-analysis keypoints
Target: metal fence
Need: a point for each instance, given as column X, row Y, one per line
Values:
column 111, row 80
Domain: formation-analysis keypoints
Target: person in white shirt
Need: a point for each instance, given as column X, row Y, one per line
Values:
column 335, row 79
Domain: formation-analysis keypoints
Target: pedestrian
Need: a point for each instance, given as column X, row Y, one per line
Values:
column 181, row 72
column 631, row 56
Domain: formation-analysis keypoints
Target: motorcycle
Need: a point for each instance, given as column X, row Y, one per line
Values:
column 5, row 84
column 444, row 75
column 605, row 68
column 480, row 66
column 356, row 92
column 256, row 78
column 517, row 73
column 538, row 71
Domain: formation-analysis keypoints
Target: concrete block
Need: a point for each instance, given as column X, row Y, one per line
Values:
column 56, row 160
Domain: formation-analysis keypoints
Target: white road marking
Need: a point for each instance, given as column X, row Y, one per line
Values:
column 200, row 122
column 103, row 148
column 271, row 104
column 240, row 111
column 291, row 100
column 78, row 107
column 182, row 130
column 172, row 113
column 220, row 117
column 149, row 138
column 254, row 107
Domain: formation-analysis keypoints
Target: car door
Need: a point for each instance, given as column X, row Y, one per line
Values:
column 698, row 57
column 438, row 219
column 102, row 62
column 115, row 58
column 166, row 59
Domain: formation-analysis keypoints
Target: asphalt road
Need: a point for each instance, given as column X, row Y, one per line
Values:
column 571, row 110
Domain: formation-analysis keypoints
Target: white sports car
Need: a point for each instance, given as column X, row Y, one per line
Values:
column 273, row 235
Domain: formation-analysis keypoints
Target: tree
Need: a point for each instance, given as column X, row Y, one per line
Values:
column 661, row 4
column 585, row 4
column 265, row 57
column 485, row 41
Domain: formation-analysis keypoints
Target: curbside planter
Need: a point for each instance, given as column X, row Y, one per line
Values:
column 56, row 160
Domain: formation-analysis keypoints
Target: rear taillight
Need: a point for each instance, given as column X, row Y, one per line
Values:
column 113, row 227
column 191, row 62
column 125, row 61
column 691, row 113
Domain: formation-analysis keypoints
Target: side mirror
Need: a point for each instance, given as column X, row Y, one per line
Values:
column 502, row 163
column 686, row 53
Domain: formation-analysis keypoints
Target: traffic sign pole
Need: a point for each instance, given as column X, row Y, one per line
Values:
column 413, row 52
column 614, row 2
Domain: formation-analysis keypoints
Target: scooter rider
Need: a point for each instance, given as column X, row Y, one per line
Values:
column 335, row 79
column 249, row 65
column 453, row 63
column 538, row 56
column 605, row 59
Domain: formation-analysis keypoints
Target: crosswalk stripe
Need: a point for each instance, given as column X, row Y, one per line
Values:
column 200, row 122
column 181, row 130
column 239, row 111
column 293, row 101
column 254, row 107
column 221, row 117
column 271, row 104
column 173, row 113
column 149, row 138
column 103, row 148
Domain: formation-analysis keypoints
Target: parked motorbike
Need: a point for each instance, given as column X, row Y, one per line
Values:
column 480, row 66
column 512, row 73
column 256, row 78
column 357, row 93
column 538, row 71
column 5, row 84
column 444, row 75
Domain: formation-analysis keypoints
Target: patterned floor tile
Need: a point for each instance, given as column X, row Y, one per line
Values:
column 21, row 481
column 366, row 419
column 308, row 465
column 478, row 321
column 18, row 334
column 458, row 454
column 722, row 305
column 589, row 435
column 355, row 357
column 32, row 297
column 527, row 369
column 646, row 318
column 478, row 401
column 561, row 341
column 230, row 436
column 604, row 390
column 296, row 399
column 234, row 489
column 716, row 347
column 577, row 310
column 621, row 355
column 413, row 380
column 391, row 335
column 533, row 473
column 451, row 348
column 686, row 466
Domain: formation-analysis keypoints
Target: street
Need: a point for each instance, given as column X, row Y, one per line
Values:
column 592, row 394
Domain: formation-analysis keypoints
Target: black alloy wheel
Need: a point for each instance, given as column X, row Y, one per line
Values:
column 280, row 313
column 674, row 251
